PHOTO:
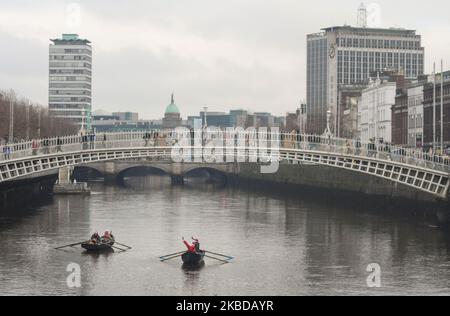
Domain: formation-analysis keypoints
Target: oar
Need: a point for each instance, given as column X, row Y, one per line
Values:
column 123, row 250
column 71, row 245
column 224, row 261
column 173, row 254
column 220, row 255
column 123, row 245
column 166, row 259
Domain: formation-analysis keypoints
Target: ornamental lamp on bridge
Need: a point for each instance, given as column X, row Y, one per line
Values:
column 205, row 109
column 12, row 99
column 328, row 132
column 83, row 122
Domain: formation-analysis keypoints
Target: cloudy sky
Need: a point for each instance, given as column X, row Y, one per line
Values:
column 226, row 54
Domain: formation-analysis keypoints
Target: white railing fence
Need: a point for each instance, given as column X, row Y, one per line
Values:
column 138, row 139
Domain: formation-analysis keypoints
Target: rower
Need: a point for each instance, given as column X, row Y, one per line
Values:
column 196, row 244
column 191, row 248
column 107, row 236
column 95, row 237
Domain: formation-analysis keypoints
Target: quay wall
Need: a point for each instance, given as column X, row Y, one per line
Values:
column 340, row 182
column 18, row 194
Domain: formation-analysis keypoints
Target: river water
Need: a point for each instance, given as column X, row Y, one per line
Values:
column 282, row 244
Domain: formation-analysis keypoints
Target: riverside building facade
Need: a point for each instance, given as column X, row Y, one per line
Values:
column 345, row 55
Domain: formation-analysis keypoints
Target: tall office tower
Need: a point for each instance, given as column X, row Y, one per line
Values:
column 70, row 80
column 346, row 55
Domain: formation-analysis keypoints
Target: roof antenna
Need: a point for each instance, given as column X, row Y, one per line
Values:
column 362, row 15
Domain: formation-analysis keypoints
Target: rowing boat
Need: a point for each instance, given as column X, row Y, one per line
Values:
column 193, row 258
column 93, row 245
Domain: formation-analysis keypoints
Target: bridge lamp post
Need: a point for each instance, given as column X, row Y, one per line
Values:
column 434, row 108
column 328, row 132
column 11, row 117
column 377, row 103
column 82, row 128
column 39, row 122
column 27, row 114
column 205, row 114
column 442, row 107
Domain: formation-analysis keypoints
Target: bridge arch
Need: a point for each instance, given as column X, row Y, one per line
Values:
column 214, row 174
column 159, row 170
column 88, row 171
column 209, row 168
column 416, row 174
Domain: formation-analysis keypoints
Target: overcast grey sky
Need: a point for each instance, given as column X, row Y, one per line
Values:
column 226, row 54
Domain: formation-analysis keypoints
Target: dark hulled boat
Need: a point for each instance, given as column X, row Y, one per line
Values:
column 191, row 258
column 103, row 245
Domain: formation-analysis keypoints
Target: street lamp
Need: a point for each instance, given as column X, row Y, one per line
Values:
column 11, row 117
column 377, row 103
column 442, row 107
column 328, row 132
column 39, row 122
column 205, row 114
column 434, row 108
column 28, row 119
column 82, row 128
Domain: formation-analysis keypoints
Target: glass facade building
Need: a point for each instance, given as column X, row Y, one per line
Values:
column 317, row 64
column 346, row 56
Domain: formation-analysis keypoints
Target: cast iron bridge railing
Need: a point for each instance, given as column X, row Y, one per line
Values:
column 406, row 166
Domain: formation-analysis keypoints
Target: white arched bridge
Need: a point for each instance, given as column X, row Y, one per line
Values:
column 409, row 167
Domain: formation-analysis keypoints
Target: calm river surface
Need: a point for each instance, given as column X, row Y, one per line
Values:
column 283, row 245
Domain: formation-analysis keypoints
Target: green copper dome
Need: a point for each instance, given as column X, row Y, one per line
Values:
column 172, row 108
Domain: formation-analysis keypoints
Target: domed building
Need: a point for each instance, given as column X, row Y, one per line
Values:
column 172, row 117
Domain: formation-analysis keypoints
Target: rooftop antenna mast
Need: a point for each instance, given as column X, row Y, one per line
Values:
column 362, row 15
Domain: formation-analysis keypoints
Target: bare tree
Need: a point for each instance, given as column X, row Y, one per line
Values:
column 32, row 119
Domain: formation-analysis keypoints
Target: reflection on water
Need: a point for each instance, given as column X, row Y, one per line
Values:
column 191, row 268
column 284, row 245
column 192, row 274
column 98, row 254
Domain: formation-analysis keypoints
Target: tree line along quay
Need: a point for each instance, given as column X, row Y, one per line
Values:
column 30, row 120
